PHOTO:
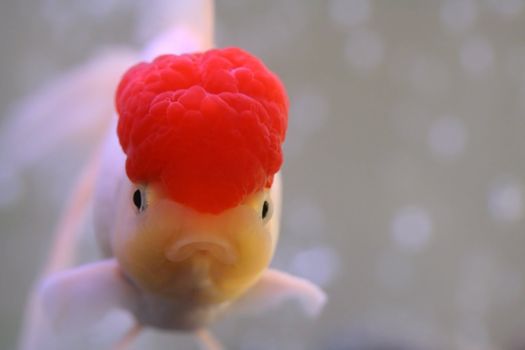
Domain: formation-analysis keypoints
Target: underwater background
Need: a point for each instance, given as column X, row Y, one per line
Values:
column 404, row 164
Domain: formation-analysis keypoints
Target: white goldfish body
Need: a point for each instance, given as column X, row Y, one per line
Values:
column 167, row 264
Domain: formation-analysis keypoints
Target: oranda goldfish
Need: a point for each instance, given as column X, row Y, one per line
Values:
column 186, row 199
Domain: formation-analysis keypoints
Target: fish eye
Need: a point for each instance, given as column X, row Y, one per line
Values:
column 266, row 211
column 139, row 199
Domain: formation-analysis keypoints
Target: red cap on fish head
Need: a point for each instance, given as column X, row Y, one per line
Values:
column 208, row 127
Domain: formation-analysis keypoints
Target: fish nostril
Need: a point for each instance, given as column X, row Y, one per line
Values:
column 184, row 249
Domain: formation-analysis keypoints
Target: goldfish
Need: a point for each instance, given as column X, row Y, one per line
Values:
column 186, row 198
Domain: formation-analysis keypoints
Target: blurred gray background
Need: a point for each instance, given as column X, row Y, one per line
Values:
column 403, row 174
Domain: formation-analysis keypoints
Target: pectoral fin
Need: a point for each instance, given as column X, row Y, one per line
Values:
column 275, row 287
column 78, row 297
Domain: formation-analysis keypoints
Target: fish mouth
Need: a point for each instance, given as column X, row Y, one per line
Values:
column 207, row 246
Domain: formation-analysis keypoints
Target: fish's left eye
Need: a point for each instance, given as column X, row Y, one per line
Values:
column 139, row 199
column 266, row 210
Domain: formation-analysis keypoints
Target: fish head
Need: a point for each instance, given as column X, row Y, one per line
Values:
column 171, row 250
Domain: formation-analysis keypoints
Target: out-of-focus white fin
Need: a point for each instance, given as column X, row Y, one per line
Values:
column 76, row 298
column 128, row 338
column 188, row 27
column 72, row 217
column 275, row 287
column 36, row 330
column 68, row 300
column 76, row 106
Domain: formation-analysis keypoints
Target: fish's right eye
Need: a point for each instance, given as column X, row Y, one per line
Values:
column 138, row 199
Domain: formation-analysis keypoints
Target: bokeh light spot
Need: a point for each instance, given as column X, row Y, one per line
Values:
column 505, row 200
column 411, row 228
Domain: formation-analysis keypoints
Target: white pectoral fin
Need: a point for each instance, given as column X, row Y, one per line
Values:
column 77, row 298
column 275, row 287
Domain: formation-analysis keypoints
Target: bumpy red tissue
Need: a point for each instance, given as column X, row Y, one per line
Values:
column 207, row 127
